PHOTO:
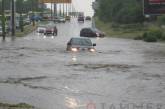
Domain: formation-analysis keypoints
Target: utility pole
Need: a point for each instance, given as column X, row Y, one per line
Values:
column 13, row 19
column 70, row 9
column 3, row 21
column 51, row 10
column 42, row 6
column 21, row 18
column 60, row 10
column 33, row 16
column 21, row 23
column 55, row 9
column 63, row 9
column 66, row 9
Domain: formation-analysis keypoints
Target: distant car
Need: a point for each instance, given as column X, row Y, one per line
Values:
column 91, row 32
column 80, row 19
column 45, row 17
column 51, row 31
column 27, row 21
column 68, row 18
column 41, row 29
column 35, row 18
column 80, row 44
column 59, row 19
column 88, row 18
column 56, row 19
column 62, row 19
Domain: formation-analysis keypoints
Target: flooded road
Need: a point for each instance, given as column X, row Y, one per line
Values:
column 39, row 71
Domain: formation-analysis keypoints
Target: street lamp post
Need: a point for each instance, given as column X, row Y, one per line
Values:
column 63, row 9
column 23, row 11
column 33, row 16
column 13, row 19
column 3, row 21
column 55, row 9
column 21, row 22
column 94, row 6
column 51, row 10
column 20, row 17
column 60, row 10
column 66, row 9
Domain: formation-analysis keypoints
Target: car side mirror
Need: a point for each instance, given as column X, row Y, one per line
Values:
column 94, row 44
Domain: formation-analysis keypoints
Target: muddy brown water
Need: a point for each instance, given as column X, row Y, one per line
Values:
column 37, row 70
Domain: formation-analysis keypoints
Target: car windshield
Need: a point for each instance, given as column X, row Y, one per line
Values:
column 95, row 30
column 49, row 28
column 40, row 28
column 50, row 24
column 41, row 25
column 82, row 42
column 81, row 16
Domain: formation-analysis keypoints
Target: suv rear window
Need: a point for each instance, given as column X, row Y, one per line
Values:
column 82, row 42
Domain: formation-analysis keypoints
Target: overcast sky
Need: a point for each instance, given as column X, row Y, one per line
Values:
column 83, row 6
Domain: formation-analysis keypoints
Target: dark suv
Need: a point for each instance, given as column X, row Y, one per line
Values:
column 91, row 32
column 80, row 44
column 88, row 18
column 51, row 31
column 81, row 19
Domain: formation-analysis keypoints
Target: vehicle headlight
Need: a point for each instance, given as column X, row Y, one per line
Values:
column 97, row 34
column 92, row 50
column 74, row 49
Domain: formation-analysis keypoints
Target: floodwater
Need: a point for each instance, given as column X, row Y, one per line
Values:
column 39, row 71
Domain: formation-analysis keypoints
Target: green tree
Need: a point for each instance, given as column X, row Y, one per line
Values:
column 120, row 11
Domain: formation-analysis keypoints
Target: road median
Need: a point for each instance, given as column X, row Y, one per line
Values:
column 27, row 29
column 16, row 106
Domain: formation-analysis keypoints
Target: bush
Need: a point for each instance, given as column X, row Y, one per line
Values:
column 149, row 37
column 163, row 37
column 157, row 33
column 153, row 35
column 144, row 35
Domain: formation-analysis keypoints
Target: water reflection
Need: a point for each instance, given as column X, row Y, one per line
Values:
column 71, row 103
column 74, row 58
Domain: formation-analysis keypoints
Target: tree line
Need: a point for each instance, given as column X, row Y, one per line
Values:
column 120, row 11
column 22, row 6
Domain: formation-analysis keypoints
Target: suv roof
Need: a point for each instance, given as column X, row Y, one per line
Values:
column 81, row 41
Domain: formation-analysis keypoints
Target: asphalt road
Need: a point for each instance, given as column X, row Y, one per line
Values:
column 122, row 74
